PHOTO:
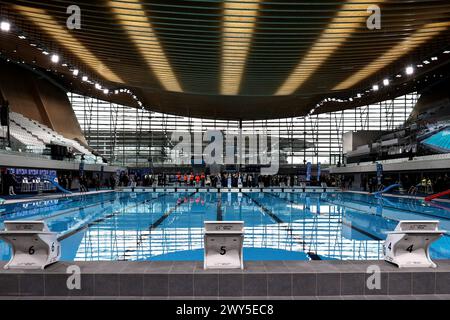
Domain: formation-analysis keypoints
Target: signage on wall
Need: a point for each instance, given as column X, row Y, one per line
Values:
column 318, row 171
column 308, row 171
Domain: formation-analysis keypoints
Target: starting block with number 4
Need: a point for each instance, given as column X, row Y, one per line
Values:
column 408, row 245
column 34, row 246
column 224, row 241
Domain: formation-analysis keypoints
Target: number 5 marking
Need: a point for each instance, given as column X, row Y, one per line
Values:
column 223, row 250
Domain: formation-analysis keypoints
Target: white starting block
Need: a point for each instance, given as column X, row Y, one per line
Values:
column 34, row 246
column 408, row 245
column 224, row 242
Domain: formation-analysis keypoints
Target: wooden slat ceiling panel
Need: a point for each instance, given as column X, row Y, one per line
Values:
column 236, row 59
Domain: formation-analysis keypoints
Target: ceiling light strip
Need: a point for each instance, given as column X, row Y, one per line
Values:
column 351, row 16
column 131, row 15
column 238, row 28
column 62, row 36
column 396, row 52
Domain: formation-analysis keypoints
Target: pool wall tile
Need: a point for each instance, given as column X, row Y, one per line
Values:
column 106, row 284
column 328, row 284
column 423, row 282
column 255, row 284
column 230, row 284
column 181, row 284
column 9, row 284
column 442, row 282
column 279, row 284
column 131, row 284
column 206, row 285
column 400, row 283
column 304, row 284
column 32, row 284
column 352, row 283
column 156, row 285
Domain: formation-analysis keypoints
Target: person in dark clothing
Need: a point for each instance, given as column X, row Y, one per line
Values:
column 10, row 180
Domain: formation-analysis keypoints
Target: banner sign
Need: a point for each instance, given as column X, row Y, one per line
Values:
column 308, row 171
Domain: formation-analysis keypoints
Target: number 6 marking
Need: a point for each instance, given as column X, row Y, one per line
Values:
column 31, row 250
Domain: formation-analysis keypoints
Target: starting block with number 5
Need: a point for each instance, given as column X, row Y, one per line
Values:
column 408, row 245
column 34, row 246
column 224, row 242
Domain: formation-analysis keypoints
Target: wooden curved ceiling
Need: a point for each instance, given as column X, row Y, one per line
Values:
column 246, row 59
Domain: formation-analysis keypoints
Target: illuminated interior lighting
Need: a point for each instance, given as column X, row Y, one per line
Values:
column 238, row 27
column 98, row 86
column 375, row 87
column 426, row 62
column 84, row 78
column 359, row 95
column 75, row 72
column 5, row 26
column 22, row 37
column 133, row 18
column 419, row 37
column 54, row 58
column 420, row 66
column 62, row 36
column 447, row 51
column 409, row 70
column 434, row 58
column 348, row 19
column 105, row 91
column 385, row 82
column 45, row 53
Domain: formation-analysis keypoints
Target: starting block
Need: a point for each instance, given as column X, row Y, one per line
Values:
column 408, row 245
column 34, row 246
column 224, row 242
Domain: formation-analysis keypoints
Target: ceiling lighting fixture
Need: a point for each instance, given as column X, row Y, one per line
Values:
column 136, row 22
column 45, row 53
column 426, row 61
column 22, row 37
column 239, row 19
column 54, row 58
column 349, row 18
column 84, row 78
column 385, row 82
column 434, row 58
column 63, row 37
column 98, row 86
column 105, row 91
column 409, row 70
column 422, row 35
column 375, row 87
column 75, row 72
column 447, row 51
column 5, row 26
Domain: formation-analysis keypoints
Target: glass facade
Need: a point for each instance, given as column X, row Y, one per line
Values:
column 136, row 137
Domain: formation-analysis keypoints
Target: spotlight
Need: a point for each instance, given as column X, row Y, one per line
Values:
column 426, row 61
column 84, row 78
column 55, row 58
column 5, row 26
column 385, row 82
column 447, row 51
column 434, row 58
column 358, row 95
column 375, row 87
column 75, row 73
column 45, row 53
column 409, row 70
column 105, row 91
column 22, row 37
column 97, row 86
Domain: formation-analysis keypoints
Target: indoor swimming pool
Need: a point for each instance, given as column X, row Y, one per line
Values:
column 278, row 226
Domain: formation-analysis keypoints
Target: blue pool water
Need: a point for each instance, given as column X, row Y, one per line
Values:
column 278, row 226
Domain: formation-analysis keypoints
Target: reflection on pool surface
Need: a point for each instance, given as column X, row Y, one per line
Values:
column 278, row 226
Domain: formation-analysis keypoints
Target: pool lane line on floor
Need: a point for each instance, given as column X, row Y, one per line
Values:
column 219, row 208
column 89, row 224
column 366, row 233
column 156, row 224
column 301, row 241
column 264, row 209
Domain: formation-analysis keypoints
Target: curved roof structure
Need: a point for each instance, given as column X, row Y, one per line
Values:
column 240, row 59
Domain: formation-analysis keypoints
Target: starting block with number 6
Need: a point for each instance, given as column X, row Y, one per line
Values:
column 224, row 242
column 408, row 245
column 34, row 246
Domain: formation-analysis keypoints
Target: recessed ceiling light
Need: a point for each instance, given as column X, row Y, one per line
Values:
column 55, row 58
column 45, row 52
column 358, row 95
column 386, row 82
column 98, row 86
column 426, row 61
column 447, row 51
column 105, row 91
column 84, row 78
column 434, row 58
column 75, row 73
column 5, row 26
column 409, row 70
column 398, row 76
column 375, row 87
column 22, row 37
column 420, row 66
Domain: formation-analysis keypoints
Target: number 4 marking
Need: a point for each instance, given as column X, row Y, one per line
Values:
column 410, row 248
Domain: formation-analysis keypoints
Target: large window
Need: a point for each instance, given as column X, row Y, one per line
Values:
column 135, row 137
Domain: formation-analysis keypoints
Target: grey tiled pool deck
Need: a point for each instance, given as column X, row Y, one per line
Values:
column 259, row 280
